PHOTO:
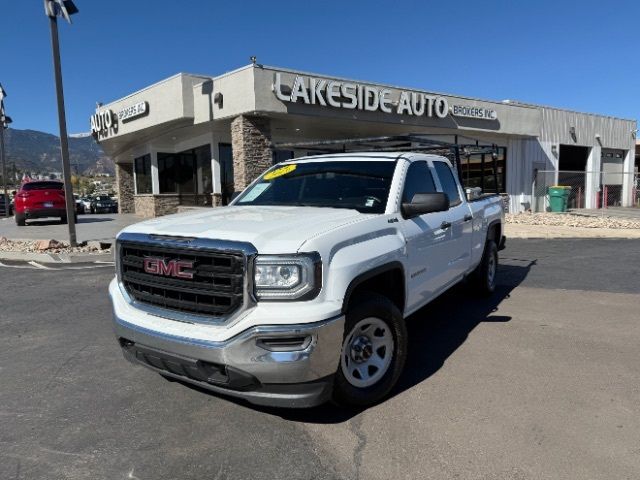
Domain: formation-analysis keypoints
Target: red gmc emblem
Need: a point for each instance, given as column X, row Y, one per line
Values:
column 168, row 268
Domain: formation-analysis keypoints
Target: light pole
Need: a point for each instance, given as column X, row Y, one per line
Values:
column 53, row 9
column 4, row 123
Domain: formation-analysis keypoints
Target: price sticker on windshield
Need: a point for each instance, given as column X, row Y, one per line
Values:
column 279, row 172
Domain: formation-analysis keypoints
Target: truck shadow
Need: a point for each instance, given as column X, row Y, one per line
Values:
column 435, row 333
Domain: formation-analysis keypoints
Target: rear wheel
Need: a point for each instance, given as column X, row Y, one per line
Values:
column 484, row 276
column 374, row 350
column 20, row 220
column 63, row 220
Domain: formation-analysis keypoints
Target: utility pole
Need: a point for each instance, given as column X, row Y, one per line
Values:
column 53, row 9
column 5, row 204
column 4, row 123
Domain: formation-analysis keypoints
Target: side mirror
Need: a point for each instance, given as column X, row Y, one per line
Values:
column 422, row 203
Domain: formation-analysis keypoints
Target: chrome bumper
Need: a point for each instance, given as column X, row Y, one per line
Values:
column 254, row 366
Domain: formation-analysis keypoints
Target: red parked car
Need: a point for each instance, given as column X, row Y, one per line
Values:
column 40, row 199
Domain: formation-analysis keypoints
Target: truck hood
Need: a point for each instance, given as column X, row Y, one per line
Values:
column 270, row 229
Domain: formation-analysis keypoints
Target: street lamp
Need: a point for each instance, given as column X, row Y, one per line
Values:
column 4, row 124
column 54, row 9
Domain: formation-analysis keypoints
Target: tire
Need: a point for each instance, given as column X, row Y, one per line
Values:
column 20, row 221
column 358, row 382
column 484, row 276
column 63, row 220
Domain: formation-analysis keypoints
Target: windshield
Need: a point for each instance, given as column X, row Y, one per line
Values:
column 359, row 185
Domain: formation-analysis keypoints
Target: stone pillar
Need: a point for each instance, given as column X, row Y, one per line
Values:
column 150, row 205
column 250, row 142
column 124, row 183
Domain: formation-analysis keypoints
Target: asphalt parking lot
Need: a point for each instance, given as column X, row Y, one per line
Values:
column 540, row 382
column 100, row 227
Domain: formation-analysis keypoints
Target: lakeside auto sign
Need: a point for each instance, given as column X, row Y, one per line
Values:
column 105, row 121
column 355, row 96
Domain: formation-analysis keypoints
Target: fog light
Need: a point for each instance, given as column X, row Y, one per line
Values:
column 284, row 344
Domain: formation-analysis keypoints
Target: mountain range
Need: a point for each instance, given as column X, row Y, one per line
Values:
column 39, row 152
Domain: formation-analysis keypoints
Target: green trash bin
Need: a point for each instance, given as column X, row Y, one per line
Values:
column 559, row 198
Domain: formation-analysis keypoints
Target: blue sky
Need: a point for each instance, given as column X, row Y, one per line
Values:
column 581, row 55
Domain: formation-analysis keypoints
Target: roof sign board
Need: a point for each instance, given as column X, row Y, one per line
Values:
column 356, row 96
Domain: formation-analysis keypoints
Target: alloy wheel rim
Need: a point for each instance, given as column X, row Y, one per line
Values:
column 367, row 352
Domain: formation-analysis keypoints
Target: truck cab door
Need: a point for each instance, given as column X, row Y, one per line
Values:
column 460, row 222
column 427, row 242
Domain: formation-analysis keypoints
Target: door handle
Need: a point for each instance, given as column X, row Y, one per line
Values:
column 468, row 217
column 445, row 225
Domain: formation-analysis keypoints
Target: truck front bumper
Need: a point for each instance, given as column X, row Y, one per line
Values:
column 275, row 365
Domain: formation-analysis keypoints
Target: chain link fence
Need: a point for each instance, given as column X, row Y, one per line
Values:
column 588, row 190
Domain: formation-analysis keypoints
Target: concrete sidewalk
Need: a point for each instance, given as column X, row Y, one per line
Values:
column 103, row 228
column 616, row 212
column 514, row 230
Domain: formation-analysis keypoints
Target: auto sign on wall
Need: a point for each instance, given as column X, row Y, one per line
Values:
column 356, row 96
column 105, row 123
column 467, row 111
column 133, row 111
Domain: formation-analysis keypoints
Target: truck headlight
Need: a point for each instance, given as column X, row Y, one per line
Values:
column 288, row 277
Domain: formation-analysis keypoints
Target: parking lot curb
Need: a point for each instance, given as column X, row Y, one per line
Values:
column 57, row 257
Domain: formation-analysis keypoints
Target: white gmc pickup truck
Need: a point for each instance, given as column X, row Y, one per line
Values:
column 297, row 292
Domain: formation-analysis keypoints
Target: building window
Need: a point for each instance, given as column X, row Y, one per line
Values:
column 281, row 156
column 225, row 160
column 142, row 170
column 188, row 174
column 482, row 171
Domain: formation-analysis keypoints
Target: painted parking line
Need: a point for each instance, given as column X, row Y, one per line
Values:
column 32, row 265
column 37, row 265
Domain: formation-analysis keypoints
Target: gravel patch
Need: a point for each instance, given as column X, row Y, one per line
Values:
column 568, row 220
column 51, row 246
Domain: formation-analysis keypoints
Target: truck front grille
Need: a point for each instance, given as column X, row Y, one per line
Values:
column 216, row 287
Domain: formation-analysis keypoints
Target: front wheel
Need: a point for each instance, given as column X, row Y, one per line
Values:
column 373, row 354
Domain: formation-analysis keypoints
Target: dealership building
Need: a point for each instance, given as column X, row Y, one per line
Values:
column 194, row 140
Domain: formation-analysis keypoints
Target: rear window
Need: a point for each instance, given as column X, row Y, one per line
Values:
column 42, row 186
